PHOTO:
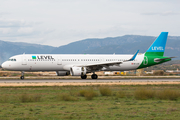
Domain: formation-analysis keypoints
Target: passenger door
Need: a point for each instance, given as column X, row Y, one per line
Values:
column 24, row 60
column 59, row 60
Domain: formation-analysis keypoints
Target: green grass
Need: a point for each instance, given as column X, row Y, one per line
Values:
column 87, row 102
column 121, row 94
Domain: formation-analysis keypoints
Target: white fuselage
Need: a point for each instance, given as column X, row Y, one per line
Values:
column 63, row 62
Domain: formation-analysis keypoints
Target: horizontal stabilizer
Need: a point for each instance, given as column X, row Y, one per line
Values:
column 158, row 60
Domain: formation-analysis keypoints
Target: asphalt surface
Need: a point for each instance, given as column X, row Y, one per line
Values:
column 85, row 81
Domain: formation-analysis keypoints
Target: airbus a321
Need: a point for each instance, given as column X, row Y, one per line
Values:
column 80, row 65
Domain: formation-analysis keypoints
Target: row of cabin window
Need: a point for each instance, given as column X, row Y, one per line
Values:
column 114, row 60
column 80, row 60
column 92, row 60
column 69, row 60
column 41, row 59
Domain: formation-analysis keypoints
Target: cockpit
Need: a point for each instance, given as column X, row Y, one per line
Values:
column 11, row 60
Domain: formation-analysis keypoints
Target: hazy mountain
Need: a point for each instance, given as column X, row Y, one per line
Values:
column 105, row 45
column 8, row 49
column 119, row 45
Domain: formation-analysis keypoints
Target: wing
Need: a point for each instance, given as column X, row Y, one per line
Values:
column 98, row 66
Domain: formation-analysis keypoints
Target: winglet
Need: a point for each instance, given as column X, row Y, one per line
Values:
column 134, row 56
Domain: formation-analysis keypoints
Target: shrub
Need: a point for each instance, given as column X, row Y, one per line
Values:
column 105, row 91
column 24, row 98
column 29, row 98
column 66, row 97
column 88, row 94
column 143, row 94
column 4, row 74
column 82, row 92
column 168, row 94
column 158, row 72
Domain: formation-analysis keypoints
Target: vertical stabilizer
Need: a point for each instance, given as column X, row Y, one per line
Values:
column 158, row 46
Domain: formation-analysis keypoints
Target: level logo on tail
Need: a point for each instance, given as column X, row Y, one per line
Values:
column 158, row 46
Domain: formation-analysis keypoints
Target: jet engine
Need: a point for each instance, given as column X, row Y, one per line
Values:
column 62, row 73
column 78, row 71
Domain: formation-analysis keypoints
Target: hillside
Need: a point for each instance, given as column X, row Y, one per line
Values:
column 119, row 45
column 8, row 49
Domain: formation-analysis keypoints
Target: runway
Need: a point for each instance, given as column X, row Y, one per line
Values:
column 85, row 81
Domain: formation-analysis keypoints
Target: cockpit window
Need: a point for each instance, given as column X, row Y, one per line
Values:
column 12, row 60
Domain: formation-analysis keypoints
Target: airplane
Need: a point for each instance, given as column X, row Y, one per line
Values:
column 81, row 64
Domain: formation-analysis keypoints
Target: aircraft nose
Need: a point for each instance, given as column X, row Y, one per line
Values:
column 4, row 65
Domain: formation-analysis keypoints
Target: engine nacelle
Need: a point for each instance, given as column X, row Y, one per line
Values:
column 78, row 71
column 62, row 73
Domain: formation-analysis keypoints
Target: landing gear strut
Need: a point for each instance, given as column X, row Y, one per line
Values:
column 94, row 76
column 84, row 77
column 22, row 75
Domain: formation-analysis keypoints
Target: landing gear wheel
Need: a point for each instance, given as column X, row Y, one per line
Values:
column 84, row 77
column 22, row 77
column 94, row 76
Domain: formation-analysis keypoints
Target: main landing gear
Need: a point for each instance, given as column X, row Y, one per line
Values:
column 22, row 75
column 93, row 76
column 84, row 77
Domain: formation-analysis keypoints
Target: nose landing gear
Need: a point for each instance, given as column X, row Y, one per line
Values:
column 22, row 75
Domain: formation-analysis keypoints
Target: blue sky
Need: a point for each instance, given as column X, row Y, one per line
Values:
column 59, row 22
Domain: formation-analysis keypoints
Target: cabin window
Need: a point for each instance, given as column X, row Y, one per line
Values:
column 12, row 60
